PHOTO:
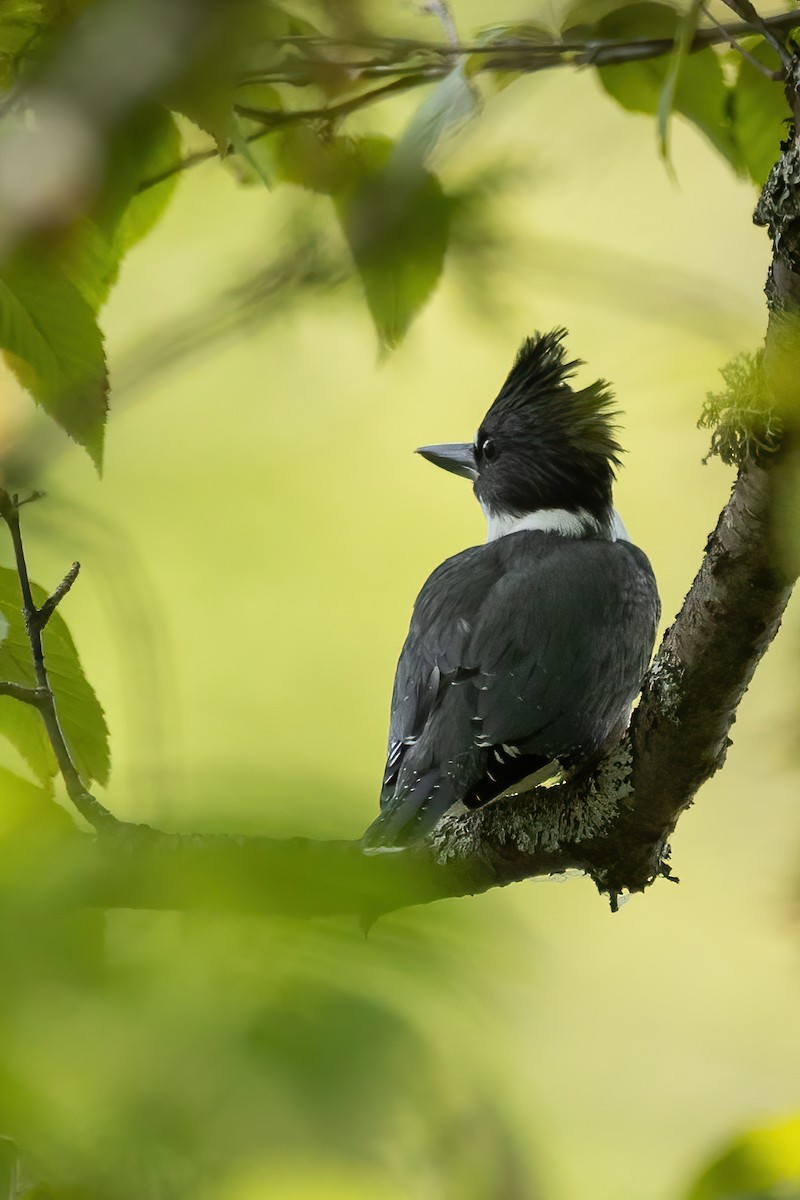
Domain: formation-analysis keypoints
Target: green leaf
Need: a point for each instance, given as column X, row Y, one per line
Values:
column 250, row 156
column 760, row 1165
column 760, row 112
column 54, row 346
column 700, row 92
column 396, row 220
column 397, row 225
column 152, row 145
column 79, row 712
column 92, row 250
column 687, row 28
column 240, row 36
column 24, row 806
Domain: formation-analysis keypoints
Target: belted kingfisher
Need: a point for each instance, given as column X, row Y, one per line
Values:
column 525, row 654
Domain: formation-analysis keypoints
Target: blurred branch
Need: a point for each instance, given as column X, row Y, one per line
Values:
column 42, row 696
column 512, row 55
column 613, row 825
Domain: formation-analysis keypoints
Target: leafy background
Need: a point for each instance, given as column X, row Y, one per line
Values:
column 249, row 560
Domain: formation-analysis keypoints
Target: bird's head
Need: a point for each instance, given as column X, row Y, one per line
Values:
column 543, row 445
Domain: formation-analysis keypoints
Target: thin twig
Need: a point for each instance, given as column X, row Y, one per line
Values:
column 19, row 691
column 757, row 24
column 739, row 48
column 278, row 119
column 52, row 602
column 87, row 805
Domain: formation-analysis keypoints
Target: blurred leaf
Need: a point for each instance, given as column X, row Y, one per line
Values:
column 524, row 33
column 763, row 1164
column 8, row 1166
column 53, row 344
column 518, row 31
column 241, row 35
column 760, row 112
column 397, row 225
column 92, row 249
column 20, row 20
column 25, row 807
column 250, row 155
column 152, row 144
column 580, row 19
column 79, row 711
column 445, row 110
column 687, row 27
column 700, row 92
column 396, row 220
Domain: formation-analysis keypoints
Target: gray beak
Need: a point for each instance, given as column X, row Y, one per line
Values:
column 458, row 458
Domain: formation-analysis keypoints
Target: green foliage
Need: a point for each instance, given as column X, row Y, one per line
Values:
column 397, row 225
column 742, row 418
column 759, row 111
column 79, row 711
column 394, row 213
column 54, row 346
column 763, row 1164
column 683, row 40
column 691, row 84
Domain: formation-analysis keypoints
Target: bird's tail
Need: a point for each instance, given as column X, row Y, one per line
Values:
column 407, row 817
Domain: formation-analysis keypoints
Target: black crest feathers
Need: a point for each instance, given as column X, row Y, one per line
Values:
column 554, row 445
column 538, row 387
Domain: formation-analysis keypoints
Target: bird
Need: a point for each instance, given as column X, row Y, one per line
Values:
column 526, row 653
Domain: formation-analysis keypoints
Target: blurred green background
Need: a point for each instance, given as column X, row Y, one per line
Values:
column 249, row 561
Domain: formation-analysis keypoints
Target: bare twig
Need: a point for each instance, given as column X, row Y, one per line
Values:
column 35, row 620
column 739, row 48
column 52, row 602
column 748, row 13
column 19, row 691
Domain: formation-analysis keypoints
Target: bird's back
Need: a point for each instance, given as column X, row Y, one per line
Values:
column 525, row 650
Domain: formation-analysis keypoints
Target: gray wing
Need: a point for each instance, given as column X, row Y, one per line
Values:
column 532, row 642
column 562, row 646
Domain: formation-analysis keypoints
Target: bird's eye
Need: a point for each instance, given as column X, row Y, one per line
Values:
column 488, row 449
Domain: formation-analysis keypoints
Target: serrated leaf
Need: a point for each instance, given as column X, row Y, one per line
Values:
column 759, row 112
column 760, row 1165
column 54, row 346
column 701, row 94
column 80, row 715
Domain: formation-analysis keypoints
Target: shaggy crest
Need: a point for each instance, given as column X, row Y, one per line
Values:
column 537, row 388
column 555, row 447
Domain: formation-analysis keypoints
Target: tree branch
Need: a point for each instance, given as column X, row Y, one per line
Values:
column 510, row 55
column 613, row 824
column 42, row 696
